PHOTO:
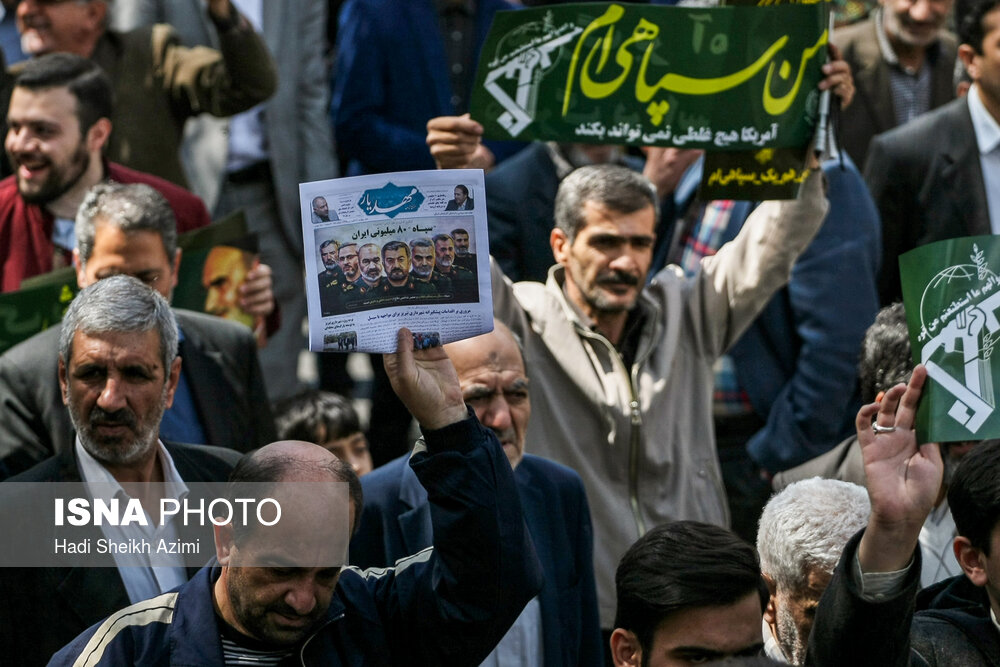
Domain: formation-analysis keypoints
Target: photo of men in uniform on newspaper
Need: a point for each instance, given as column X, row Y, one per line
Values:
column 363, row 267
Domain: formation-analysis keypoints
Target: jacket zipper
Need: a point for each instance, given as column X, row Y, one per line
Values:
column 635, row 429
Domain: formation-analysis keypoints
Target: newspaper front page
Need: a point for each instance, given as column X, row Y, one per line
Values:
column 406, row 249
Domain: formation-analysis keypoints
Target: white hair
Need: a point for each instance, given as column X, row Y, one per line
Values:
column 806, row 526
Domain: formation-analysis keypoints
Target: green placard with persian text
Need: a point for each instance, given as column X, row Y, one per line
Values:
column 720, row 78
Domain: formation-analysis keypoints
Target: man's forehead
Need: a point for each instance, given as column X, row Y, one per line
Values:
column 118, row 346
column 51, row 104
column 598, row 216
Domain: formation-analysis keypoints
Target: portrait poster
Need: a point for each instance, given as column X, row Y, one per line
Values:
column 392, row 250
column 951, row 291
column 215, row 261
column 735, row 78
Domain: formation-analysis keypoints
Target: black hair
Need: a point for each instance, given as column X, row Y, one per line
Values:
column 969, row 19
column 85, row 80
column 678, row 566
column 463, row 189
column 316, row 416
column 974, row 494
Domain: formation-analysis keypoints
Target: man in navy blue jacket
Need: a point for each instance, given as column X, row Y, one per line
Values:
column 444, row 606
column 561, row 626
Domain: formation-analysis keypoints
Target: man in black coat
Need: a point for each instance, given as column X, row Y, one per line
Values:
column 118, row 371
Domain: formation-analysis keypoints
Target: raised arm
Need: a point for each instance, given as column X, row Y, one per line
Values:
column 871, row 596
column 482, row 570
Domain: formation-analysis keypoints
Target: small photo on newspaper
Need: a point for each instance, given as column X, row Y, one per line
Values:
column 406, row 249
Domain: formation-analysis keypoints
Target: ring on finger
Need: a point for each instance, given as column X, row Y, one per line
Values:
column 882, row 429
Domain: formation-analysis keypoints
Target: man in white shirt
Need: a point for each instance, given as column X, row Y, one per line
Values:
column 118, row 370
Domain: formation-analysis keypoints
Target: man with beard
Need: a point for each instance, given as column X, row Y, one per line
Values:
column 396, row 260
column 448, row 605
column 331, row 278
column 59, row 123
column 903, row 61
column 130, row 229
column 118, row 372
column 422, row 265
column 321, row 211
column 464, row 283
column 463, row 258
column 802, row 532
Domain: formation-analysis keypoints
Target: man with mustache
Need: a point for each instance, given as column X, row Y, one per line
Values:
column 622, row 369
column 118, row 372
column 464, row 283
column 370, row 261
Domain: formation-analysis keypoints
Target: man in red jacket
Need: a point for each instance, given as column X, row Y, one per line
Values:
column 59, row 124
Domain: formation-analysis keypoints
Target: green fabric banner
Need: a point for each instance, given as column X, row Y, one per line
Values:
column 951, row 290
column 720, row 78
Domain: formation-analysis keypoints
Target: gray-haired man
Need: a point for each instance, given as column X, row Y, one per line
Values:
column 130, row 229
column 118, row 372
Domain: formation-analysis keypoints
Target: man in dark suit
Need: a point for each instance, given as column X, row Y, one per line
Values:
column 118, row 371
column 130, row 229
column 560, row 626
column 462, row 201
column 927, row 177
column 903, row 62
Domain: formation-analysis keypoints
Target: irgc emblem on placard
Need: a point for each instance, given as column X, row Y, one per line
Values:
column 951, row 291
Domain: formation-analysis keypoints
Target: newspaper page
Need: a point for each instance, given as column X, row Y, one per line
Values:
column 406, row 249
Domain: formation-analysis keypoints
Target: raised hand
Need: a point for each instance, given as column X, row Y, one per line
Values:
column 903, row 478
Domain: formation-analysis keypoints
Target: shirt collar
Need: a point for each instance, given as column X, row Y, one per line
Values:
column 91, row 471
column 983, row 124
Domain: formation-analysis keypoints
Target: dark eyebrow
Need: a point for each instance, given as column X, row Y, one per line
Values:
column 518, row 385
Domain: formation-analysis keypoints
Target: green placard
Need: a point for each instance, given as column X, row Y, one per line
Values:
column 29, row 310
column 720, row 78
column 951, row 290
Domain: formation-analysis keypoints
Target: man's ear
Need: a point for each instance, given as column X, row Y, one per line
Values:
column 97, row 135
column 81, row 277
column 173, row 378
column 560, row 245
column 63, row 382
column 967, row 55
column 224, row 543
column 177, row 268
column 771, row 610
column 625, row 649
column 971, row 559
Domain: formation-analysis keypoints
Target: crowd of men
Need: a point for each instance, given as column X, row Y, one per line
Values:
column 688, row 437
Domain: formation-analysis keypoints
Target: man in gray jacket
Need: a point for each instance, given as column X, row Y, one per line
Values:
column 622, row 368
